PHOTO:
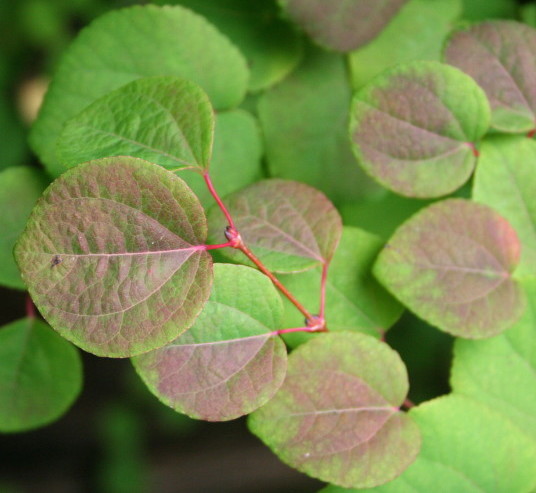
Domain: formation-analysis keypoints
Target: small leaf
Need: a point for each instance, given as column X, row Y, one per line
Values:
column 20, row 187
column 113, row 256
column 342, row 25
column 166, row 120
column 40, row 375
column 228, row 364
column 336, row 416
column 451, row 264
column 501, row 57
column 416, row 122
column 289, row 226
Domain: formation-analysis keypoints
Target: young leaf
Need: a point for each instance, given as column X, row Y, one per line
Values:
column 505, row 180
column 113, row 256
column 127, row 44
column 416, row 122
column 20, row 187
column 501, row 56
column 336, row 416
column 40, row 375
column 228, row 364
column 342, row 25
column 166, row 120
column 451, row 264
column 289, row 226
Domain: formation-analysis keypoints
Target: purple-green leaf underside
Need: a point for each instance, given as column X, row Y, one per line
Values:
column 337, row 416
column 113, row 256
column 501, row 56
column 451, row 264
column 418, row 121
column 288, row 225
column 229, row 362
column 342, row 25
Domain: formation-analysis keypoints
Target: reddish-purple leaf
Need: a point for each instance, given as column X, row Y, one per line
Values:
column 229, row 362
column 337, row 416
column 342, row 25
column 501, row 56
column 113, row 255
column 451, row 264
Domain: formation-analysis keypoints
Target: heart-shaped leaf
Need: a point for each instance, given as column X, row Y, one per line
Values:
column 40, row 375
column 114, row 258
column 416, row 122
column 289, row 226
column 342, row 25
column 336, row 416
column 501, row 56
column 165, row 120
column 451, row 264
column 229, row 363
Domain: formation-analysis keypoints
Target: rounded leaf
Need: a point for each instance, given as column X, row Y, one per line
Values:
column 113, row 256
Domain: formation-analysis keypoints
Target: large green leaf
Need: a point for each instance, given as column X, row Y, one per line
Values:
column 114, row 258
column 20, row 187
column 229, row 362
column 40, row 375
column 452, row 265
column 418, row 121
column 486, row 9
column 165, row 120
column 336, row 417
column 131, row 43
column 12, row 139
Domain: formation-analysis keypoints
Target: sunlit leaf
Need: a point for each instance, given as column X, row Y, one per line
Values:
column 336, row 417
column 113, row 256
column 228, row 364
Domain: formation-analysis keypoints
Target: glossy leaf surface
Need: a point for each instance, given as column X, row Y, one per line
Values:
column 127, row 44
column 289, row 226
column 113, row 256
column 336, row 416
column 166, row 120
column 40, row 375
column 451, row 264
column 228, row 363
column 416, row 122
column 341, row 25
column 501, row 57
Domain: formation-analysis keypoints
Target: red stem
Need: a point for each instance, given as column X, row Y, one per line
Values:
column 532, row 133
column 323, row 282
column 294, row 329
column 217, row 198
column 408, row 404
column 221, row 245
column 30, row 307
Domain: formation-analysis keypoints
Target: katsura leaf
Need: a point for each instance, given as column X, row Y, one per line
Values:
column 452, row 265
column 416, row 122
column 336, row 417
column 40, row 375
column 229, row 363
column 501, row 56
column 166, row 120
column 289, row 226
column 113, row 256
column 342, row 25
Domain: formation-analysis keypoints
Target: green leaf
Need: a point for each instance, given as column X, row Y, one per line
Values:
column 417, row 32
column 20, row 187
column 128, row 44
column 354, row 299
column 341, row 25
column 229, row 363
column 418, row 121
column 289, row 226
column 305, row 124
column 166, row 120
column 271, row 47
column 114, row 258
column 528, row 14
column 501, row 57
column 466, row 447
column 12, row 138
column 451, row 264
column 40, row 375
column 336, row 416
column 505, row 180
column 486, row 9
